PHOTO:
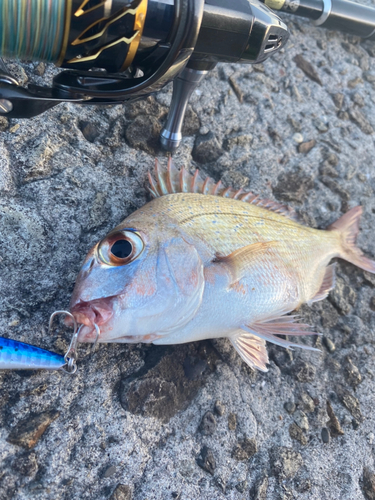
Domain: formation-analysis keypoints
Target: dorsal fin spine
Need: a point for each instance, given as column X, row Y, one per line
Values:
column 205, row 185
column 170, row 181
column 170, row 184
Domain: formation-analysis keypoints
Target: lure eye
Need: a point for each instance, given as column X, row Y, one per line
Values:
column 120, row 248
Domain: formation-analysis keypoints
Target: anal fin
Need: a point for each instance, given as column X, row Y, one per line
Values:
column 282, row 325
column 251, row 348
column 327, row 285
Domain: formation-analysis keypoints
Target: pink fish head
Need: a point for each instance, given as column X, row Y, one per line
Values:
column 138, row 285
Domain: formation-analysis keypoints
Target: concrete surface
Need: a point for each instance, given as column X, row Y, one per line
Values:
column 192, row 421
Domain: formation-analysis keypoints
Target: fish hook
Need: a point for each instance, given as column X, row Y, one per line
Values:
column 97, row 336
column 71, row 354
column 67, row 313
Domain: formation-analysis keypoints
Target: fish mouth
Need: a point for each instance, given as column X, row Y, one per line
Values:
column 96, row 312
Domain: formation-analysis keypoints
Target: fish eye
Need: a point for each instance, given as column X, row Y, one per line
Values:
column 120, row 248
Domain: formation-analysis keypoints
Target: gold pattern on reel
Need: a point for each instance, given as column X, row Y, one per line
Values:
column 81, row 10
column 80, row 40
column 97, row 54
column 139, row 23
column 139, row 13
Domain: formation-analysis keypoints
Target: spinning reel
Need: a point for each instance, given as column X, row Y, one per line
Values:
column 119, row 50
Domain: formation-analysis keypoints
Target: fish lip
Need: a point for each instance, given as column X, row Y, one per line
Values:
column 89, row 313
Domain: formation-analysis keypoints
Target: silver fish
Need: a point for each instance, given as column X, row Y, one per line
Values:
column 203, row 261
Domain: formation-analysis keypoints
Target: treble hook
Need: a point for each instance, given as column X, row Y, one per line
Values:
column 71, row 354
column 67, row 313
column 97, row 336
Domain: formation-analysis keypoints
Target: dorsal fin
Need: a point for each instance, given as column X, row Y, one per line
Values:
column 171, row 180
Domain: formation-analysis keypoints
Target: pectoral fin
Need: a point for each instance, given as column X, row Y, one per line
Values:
column 282, row 325
column 251, row 348
column 242, row 260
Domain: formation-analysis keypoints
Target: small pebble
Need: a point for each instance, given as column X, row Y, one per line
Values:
column 40, row 69
column 204, row 130
column 297, row 433
column 219, row 408
column 370, row 437
column 285, row 462
column 244, row 449
column 14, row 128
column 333, row 423
column 28, row 431
column 306, row 147
column 208, row 424
column 307, row 403
column 354, row 82
column 206, row 460
column 290, row 407
column 241, row 487
column 346, row 420
column 329, row 344
column 220, row 482
column 358, row 99
column 320, row 125
column 14, row 322
column 361, row 177
column 4, row 123
column 110, row 471
column 301, row 420
column 338, row 99
column 232, row 421
column 368, row 484
column 355, row 424
column 122, row 492
column 352, row 373
column 298, row 138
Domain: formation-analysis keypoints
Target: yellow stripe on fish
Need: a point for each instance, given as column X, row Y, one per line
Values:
column 204, row 261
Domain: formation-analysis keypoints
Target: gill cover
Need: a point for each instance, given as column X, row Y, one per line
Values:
column 180, row 284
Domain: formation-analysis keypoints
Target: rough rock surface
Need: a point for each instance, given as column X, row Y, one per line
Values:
column 298, row 128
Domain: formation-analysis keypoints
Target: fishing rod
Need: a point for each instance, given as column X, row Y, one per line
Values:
column 340, row 15
column 115, row 51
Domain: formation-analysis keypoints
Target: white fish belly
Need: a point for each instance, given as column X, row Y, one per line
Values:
column 226, row 307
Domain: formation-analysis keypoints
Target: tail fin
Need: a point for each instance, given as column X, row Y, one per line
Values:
column 348, row 226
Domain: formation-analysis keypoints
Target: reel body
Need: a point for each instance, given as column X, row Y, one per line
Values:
column 118, row 50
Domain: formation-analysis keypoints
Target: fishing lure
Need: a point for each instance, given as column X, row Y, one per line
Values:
column 15, row 355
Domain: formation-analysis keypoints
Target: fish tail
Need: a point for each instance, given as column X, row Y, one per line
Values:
column 348, row 227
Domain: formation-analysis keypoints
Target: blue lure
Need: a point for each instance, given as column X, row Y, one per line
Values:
column 16, row 355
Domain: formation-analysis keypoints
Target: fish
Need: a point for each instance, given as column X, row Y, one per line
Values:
column 203, row 261
column 15, row 355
